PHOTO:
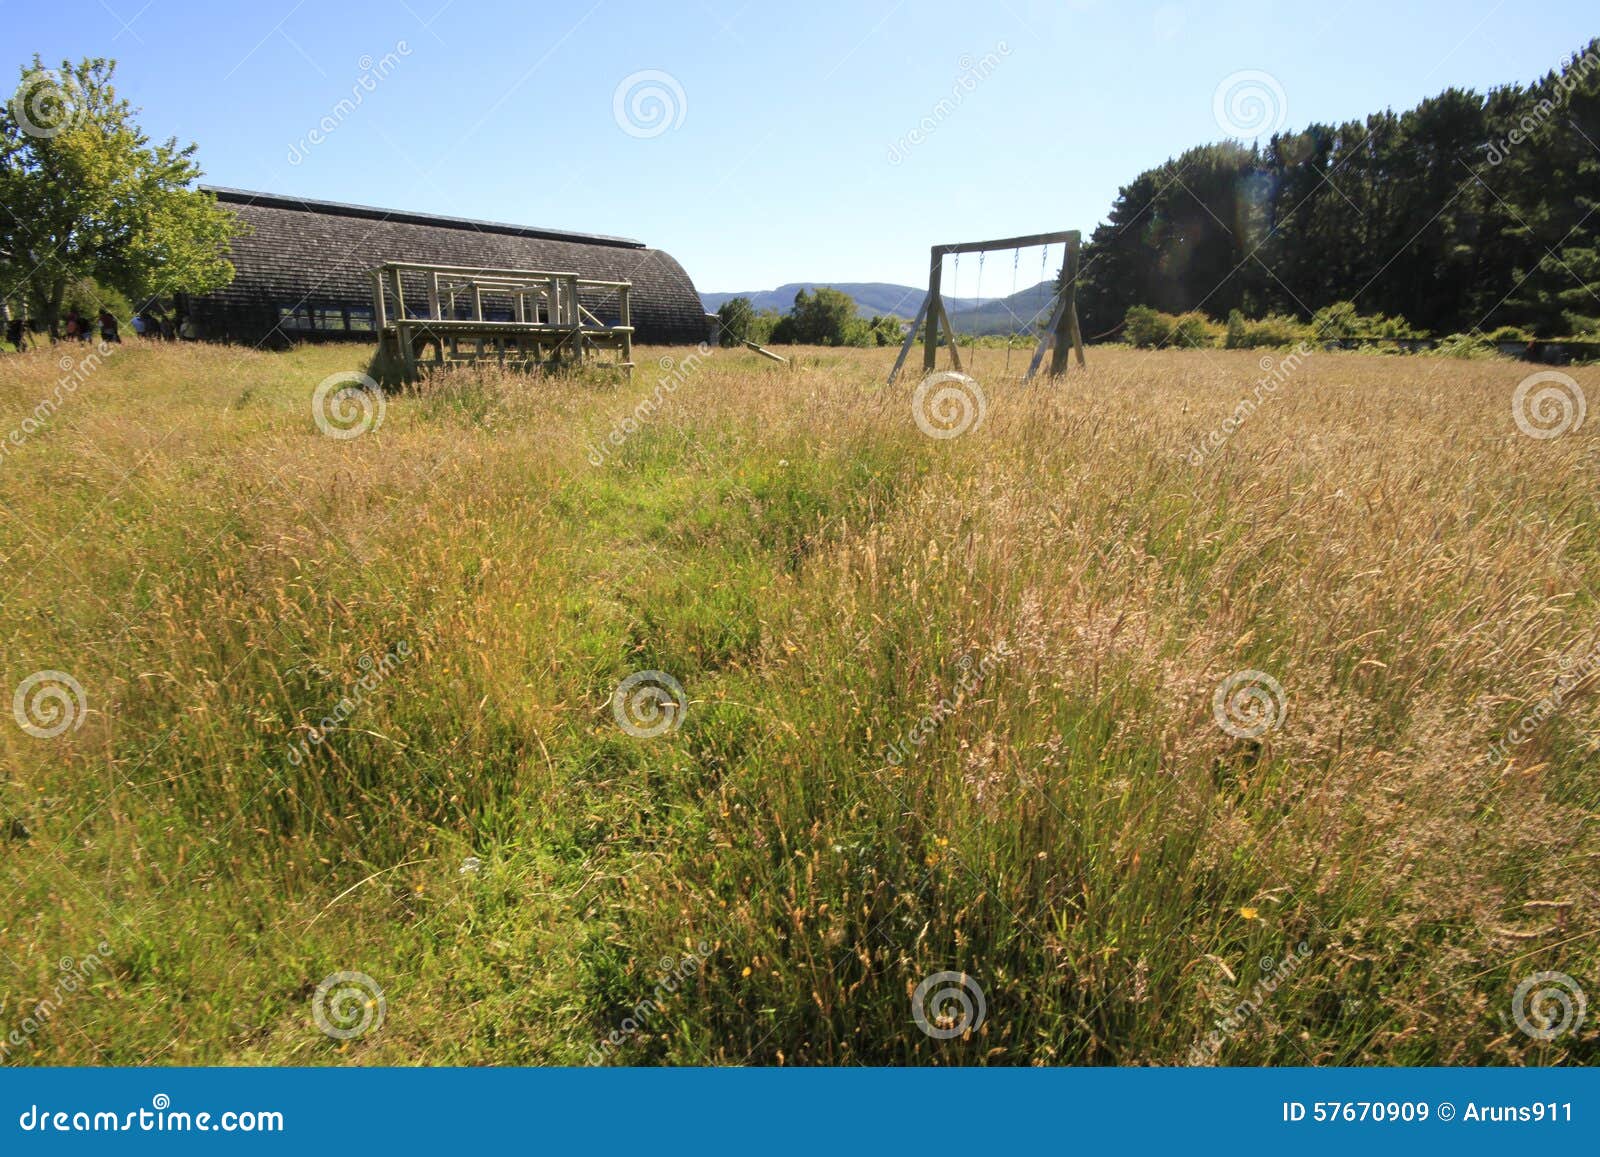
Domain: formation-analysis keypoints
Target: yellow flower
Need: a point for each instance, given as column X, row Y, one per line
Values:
column 1249, row 913
column 746, row 971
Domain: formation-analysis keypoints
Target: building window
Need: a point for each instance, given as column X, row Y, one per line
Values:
column 359, row 320
column 319, row 318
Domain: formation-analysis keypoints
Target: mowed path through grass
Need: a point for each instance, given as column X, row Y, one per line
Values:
column 948, row 705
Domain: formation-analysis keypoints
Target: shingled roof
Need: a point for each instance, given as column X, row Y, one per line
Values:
column 320, row 253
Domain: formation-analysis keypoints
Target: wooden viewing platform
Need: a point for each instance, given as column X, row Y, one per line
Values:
column 522, row 318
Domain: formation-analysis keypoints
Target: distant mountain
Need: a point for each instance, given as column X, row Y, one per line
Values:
column 871, row 297
column 1027, row 310
column 989, row 315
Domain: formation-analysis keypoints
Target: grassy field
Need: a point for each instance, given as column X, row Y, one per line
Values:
column 348, row 704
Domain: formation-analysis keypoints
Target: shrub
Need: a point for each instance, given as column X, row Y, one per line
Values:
column 1150, row 328
column 1340, row 320
column 1275, row 329
column 1505, row 333
column 1467, row 345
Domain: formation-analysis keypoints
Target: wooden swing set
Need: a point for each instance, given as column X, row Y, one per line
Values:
column 1061, row 333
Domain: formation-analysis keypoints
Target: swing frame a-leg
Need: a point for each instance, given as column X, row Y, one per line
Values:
column 1063, row 332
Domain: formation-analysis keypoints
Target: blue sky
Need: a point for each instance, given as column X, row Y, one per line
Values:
column 782, row 145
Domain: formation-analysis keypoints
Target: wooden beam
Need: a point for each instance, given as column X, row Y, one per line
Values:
column 1044, row 338
column 766, row 353
column 930, row 341
column 1069, row 238
column 911, row 340
column 1068, row 338
column 950, row 333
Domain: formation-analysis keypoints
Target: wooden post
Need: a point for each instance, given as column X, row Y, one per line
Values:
column 950, row 335
column 378, row 315
column 911, row 340
column 399, row 293
column 1044, row 338
column 1068, row 338
column 433, row 296
column 626, row 316
column 930, row 343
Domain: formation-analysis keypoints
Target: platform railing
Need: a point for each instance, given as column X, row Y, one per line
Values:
column 546, row 321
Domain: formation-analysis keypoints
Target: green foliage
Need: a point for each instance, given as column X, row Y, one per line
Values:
column 89, row 297
column 1341, row 320
column 734, row 321
column 886, row 331
column 1151, row 329
column 1466, row 211
column 1466, row 345
column 90, row 197
column 826, row 317
column 1507, row 333
column 1274, row 330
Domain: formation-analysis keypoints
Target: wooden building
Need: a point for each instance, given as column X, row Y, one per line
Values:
column 304, row 270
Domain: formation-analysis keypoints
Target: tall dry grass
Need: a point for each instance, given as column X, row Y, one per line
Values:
column 1124, row 880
